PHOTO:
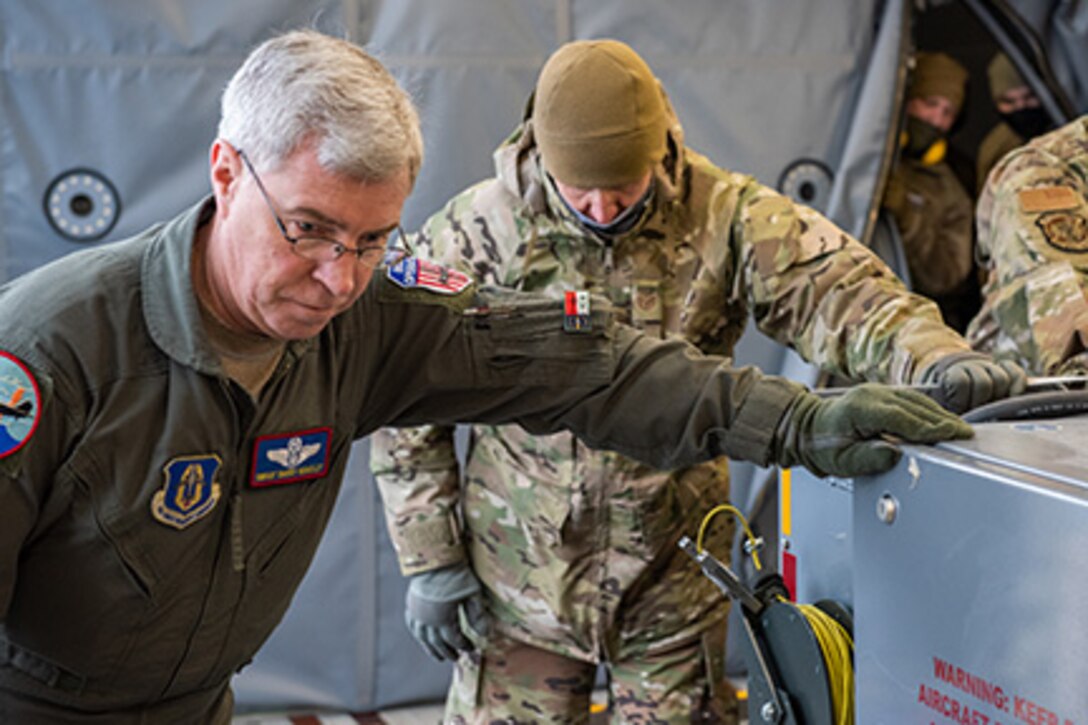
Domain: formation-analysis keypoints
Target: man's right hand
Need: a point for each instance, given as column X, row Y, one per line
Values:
column 856, row 433
column 432, row 605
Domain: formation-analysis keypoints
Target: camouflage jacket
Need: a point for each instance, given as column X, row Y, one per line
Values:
column 999, row 141
column 576, row 548
column 1032, row 223
column 934, row 221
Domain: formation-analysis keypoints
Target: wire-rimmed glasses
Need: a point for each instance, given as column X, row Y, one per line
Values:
column 383, row 250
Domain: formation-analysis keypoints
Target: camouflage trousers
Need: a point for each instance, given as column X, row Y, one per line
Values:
column 512, row 683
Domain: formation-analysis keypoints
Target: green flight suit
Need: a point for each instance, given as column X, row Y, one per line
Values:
column 155, row 519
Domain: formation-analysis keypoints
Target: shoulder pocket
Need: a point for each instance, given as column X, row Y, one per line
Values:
column 526, row 336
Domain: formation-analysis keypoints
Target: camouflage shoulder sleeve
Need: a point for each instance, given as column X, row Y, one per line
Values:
column 416, row 469
column 813, row 287
column 477, row 232
column 1033, row 221
column 417, row 474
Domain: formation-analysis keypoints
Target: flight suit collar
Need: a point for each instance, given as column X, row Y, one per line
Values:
column 171, row 308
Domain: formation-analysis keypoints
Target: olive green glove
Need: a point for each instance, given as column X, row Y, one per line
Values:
column 432, row 608
column 970, row 379
column 847, row 435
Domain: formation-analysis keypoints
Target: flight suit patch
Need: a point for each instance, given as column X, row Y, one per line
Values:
column 20, row 408
column 290, row 457
column 1065, row 231
column 1047, row 198
column 415, row 273
column 190, row 491
column 576, row 313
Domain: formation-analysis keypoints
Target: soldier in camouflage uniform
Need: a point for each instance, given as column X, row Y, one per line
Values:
column 1033, row 239
column 576, row 549
column 930, row 206
column 1022, row 116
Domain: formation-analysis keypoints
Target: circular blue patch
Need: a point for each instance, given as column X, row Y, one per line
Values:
column 20, row 410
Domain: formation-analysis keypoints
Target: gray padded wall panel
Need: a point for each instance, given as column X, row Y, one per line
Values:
column 127, row 88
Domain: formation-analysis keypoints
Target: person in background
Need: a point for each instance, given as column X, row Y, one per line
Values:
column 932, row 211
column 179, row 407
column 1033, row 243
column 568, row 556
column 1022, row 116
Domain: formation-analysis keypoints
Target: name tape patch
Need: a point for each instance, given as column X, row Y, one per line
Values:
column 1048, row 198
column 290, row 457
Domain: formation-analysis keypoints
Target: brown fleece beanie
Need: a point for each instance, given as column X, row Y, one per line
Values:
column 598, row 115
column 1003, row 76
column 938, row 74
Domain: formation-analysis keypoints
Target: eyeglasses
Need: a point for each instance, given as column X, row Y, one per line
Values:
column 317, row 248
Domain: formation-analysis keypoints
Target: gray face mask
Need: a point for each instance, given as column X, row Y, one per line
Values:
column 625, row 221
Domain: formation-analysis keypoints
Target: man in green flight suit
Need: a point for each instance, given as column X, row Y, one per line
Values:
column 179, row 407
column 567, row 556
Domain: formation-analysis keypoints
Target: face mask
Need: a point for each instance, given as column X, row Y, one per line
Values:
column 924, row 141
column 1028, row 122
column 625, row 221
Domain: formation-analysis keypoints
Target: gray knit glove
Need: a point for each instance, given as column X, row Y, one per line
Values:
column 432, row 608
column 969, row 379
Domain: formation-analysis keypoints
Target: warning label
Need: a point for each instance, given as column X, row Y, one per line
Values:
column 964, row 697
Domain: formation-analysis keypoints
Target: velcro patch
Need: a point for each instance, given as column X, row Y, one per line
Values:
column 290, row 457
column 1065, row 231
column 189, row 491
column 415, row 273
column 576, row 313
column 1048, row 198
column 20, row 404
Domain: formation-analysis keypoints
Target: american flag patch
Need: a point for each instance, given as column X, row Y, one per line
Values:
column 415, row 273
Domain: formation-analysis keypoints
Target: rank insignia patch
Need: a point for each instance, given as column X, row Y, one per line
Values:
column 415, row 273
column 190, row 491
column 20, row 408
column 1067, row 231
column 290, row 457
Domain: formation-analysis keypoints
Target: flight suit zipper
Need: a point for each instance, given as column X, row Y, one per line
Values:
column 233, row 532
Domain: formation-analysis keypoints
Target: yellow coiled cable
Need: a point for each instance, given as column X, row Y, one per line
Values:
column 836, row 644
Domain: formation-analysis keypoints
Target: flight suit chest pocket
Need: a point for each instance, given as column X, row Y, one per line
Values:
column 539, row 341
column 105, row 560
